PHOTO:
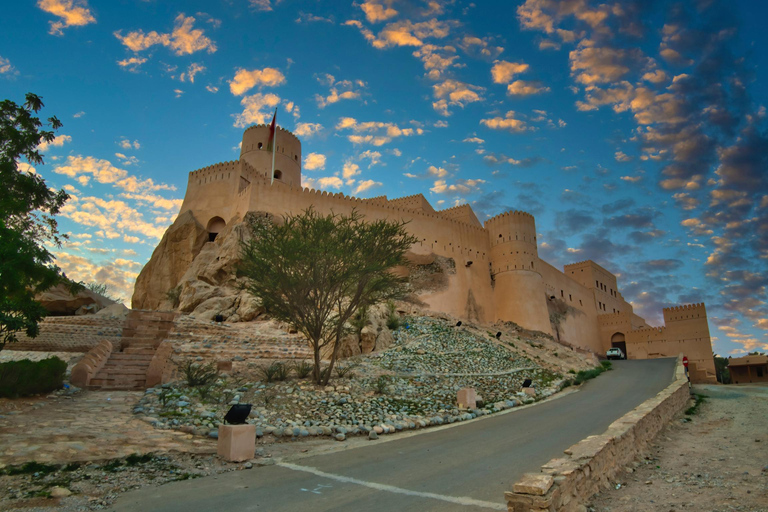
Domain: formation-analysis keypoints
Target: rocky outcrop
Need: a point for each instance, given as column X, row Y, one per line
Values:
column 170, row 260
column 59, row 301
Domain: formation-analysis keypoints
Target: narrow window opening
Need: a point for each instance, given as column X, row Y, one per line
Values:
column 261, row 145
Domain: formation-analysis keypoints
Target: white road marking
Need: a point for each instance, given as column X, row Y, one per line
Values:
column 398, row 490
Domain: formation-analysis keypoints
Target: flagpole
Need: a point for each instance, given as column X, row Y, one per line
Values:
column 274, row 146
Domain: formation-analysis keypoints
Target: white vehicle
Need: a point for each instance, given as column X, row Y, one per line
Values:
column 615, row 353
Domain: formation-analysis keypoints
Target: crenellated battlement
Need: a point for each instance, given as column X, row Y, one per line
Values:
column 685, row 312
column 510, row 213
column 685, row 308
column 278, row 128
column 229, row 165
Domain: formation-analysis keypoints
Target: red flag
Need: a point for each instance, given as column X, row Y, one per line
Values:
column 272, row 132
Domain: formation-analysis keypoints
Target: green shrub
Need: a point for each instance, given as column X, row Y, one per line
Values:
column 381, row 385
column 25, row 378
column 607, row 365
column 695, row 407
column 303, row 369
column 393, row 320
column 197, row 374
column 585, row 375
column 274, row 371
column 345, row 371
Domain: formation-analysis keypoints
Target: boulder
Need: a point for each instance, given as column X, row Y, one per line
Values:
column 58, row 301
column 178, row 248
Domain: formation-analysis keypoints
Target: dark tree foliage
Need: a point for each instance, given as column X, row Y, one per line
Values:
column 316, row 271
column 27, row 210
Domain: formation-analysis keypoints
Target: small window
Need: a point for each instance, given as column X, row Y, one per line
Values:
column 278, row 175
column 261, row 145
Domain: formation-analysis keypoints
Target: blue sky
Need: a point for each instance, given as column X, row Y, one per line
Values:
column 634, row 131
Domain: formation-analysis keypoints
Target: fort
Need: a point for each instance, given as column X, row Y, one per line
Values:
column 495, row 273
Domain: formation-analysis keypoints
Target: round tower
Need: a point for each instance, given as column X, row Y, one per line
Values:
column 518, row 287
column 287, row 154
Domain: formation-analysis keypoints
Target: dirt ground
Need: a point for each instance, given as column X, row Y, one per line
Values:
column 713, row 461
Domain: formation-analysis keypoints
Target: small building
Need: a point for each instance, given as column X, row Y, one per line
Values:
column 748, row 369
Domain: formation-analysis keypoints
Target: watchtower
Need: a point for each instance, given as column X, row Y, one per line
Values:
column 254, row 151
column 518, row 287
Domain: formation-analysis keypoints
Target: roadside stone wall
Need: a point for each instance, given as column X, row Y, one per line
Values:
column 71, row 334
column 565, row 483
column 239, row 342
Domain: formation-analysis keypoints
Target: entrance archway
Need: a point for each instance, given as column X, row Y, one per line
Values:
column 619, row 341
column 215, row 226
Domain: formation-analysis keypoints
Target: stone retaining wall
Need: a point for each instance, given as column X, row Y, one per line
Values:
column 565, row 483
column 71, row 334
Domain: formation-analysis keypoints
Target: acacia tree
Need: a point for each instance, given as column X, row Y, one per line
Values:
column 27, row 222
column 316, row 271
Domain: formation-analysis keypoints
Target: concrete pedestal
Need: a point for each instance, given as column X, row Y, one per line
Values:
column 467, row 398
column 237, row 442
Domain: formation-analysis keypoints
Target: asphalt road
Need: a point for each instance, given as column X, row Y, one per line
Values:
column 466, row 467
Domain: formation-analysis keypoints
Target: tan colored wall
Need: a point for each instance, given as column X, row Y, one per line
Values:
column 518, row 286
column 589, row 466
column 287, row 153
column 445, row 237
column 748, row 369
column 506, row 280
column 579, row 327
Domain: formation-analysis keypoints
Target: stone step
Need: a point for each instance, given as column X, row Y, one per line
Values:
column 114, row 371
column 138, row 351
column 123, row 356
column 117, row 384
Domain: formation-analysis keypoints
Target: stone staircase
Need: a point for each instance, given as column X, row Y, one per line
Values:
column 126, row 369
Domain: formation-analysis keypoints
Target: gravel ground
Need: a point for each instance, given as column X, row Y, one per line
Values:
column 715, row 460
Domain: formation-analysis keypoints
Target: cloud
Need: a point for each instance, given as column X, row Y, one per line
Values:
column 254, row 109
column 619, row 156
column 155, row 201
column 306, row 17
column 592, row 64
column 374, row 132
column 111, row 216
column 307, row 129
column 245, row 80
column 574, row 221
column 526, row 88
column 365, row 185
column 57, row 141
column 509, row 123
column 119, row 274
column 503, row 71
column 104, row 172
column 375, row 12
column 455, row 93
column 461, row 187
column 192, row 70
column 183, row 39
column 127, row 144
column 339, row 90
column 349, row 170
column 261, row 5
column 71, row 13
column 322, row 183
column 404, row 33
column 373, row 156
column 132, row 64
column 6, row 68
column 476, row 140
column 314, row 161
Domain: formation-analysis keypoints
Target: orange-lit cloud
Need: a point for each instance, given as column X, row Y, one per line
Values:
column 70, row 12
